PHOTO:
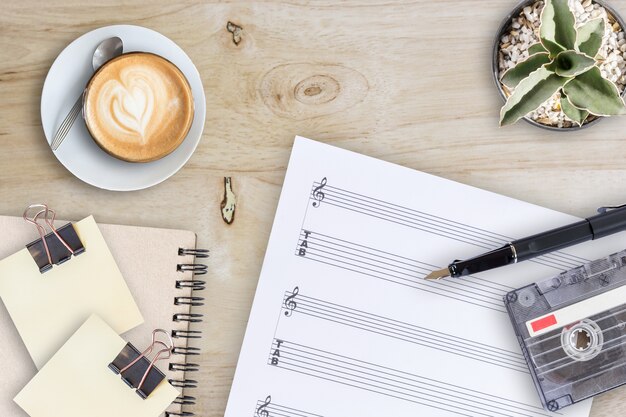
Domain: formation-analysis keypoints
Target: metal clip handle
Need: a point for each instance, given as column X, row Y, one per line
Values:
column 49, row 216
column 167, row 349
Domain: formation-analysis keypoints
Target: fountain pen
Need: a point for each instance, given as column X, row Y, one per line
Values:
column 610, row 220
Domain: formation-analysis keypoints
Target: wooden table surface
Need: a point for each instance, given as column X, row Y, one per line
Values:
column 407, row 81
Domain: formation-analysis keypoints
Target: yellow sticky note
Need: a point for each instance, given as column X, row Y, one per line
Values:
column 48, row 308
column 77, row 382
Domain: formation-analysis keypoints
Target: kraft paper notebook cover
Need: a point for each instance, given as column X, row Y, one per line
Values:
column 157, row 266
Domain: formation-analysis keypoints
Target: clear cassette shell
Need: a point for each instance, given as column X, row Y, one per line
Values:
column 572, row 331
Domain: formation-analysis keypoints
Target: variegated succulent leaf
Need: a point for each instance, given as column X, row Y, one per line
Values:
column 530, row 93
column 594, row 93
column 536, row 49
column 513, row 76
column 557, row 30
column 574, row 113
column 589, row 38
column 571, row 63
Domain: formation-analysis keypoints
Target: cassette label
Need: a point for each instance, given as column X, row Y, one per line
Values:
column 577, row 312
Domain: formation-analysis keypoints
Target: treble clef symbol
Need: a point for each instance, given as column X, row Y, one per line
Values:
column 318, row 194
column 261, row 411
column 290, row 304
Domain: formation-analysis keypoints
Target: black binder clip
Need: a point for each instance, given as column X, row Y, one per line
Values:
column 55, row 247
column 136, row 370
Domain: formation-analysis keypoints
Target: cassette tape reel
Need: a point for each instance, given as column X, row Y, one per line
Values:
column 572, row 331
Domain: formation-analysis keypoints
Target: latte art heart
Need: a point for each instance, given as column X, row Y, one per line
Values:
column 130, row 107
column 138, row 107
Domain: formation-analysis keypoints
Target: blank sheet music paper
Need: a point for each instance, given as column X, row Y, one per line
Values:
column 343, row 323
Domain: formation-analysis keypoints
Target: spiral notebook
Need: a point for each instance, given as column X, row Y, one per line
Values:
column 160, row 269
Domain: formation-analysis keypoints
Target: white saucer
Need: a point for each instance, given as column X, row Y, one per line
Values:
column 79, row 153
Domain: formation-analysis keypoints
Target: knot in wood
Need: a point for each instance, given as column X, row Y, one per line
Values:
column 317, row 89
column 304, row 90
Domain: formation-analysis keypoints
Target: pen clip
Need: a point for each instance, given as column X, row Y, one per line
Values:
column 604, row 209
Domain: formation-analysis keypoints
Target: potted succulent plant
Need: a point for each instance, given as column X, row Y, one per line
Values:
column 561, row 64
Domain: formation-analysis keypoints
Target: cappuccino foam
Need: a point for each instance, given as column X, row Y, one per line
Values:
column 139, row 107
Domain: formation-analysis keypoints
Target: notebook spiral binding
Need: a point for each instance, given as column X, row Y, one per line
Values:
column 192, row 300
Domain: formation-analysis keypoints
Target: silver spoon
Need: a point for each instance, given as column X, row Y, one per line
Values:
column 107, row 50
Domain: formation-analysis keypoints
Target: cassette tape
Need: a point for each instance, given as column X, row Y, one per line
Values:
column 572, row 331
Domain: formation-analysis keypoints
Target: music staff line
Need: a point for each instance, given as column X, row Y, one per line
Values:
column 460, row 230
column 395, row 383
column 408, row 264
column 406, row 332
column 446, row 223
column 545, row 260
column 435, row 225
column 367, row 261
column 496, row 238
column 276, row 410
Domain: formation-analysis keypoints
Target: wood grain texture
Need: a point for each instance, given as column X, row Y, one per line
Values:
column 407, row 81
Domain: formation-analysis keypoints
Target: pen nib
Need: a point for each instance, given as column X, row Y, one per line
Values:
column 441, row 273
